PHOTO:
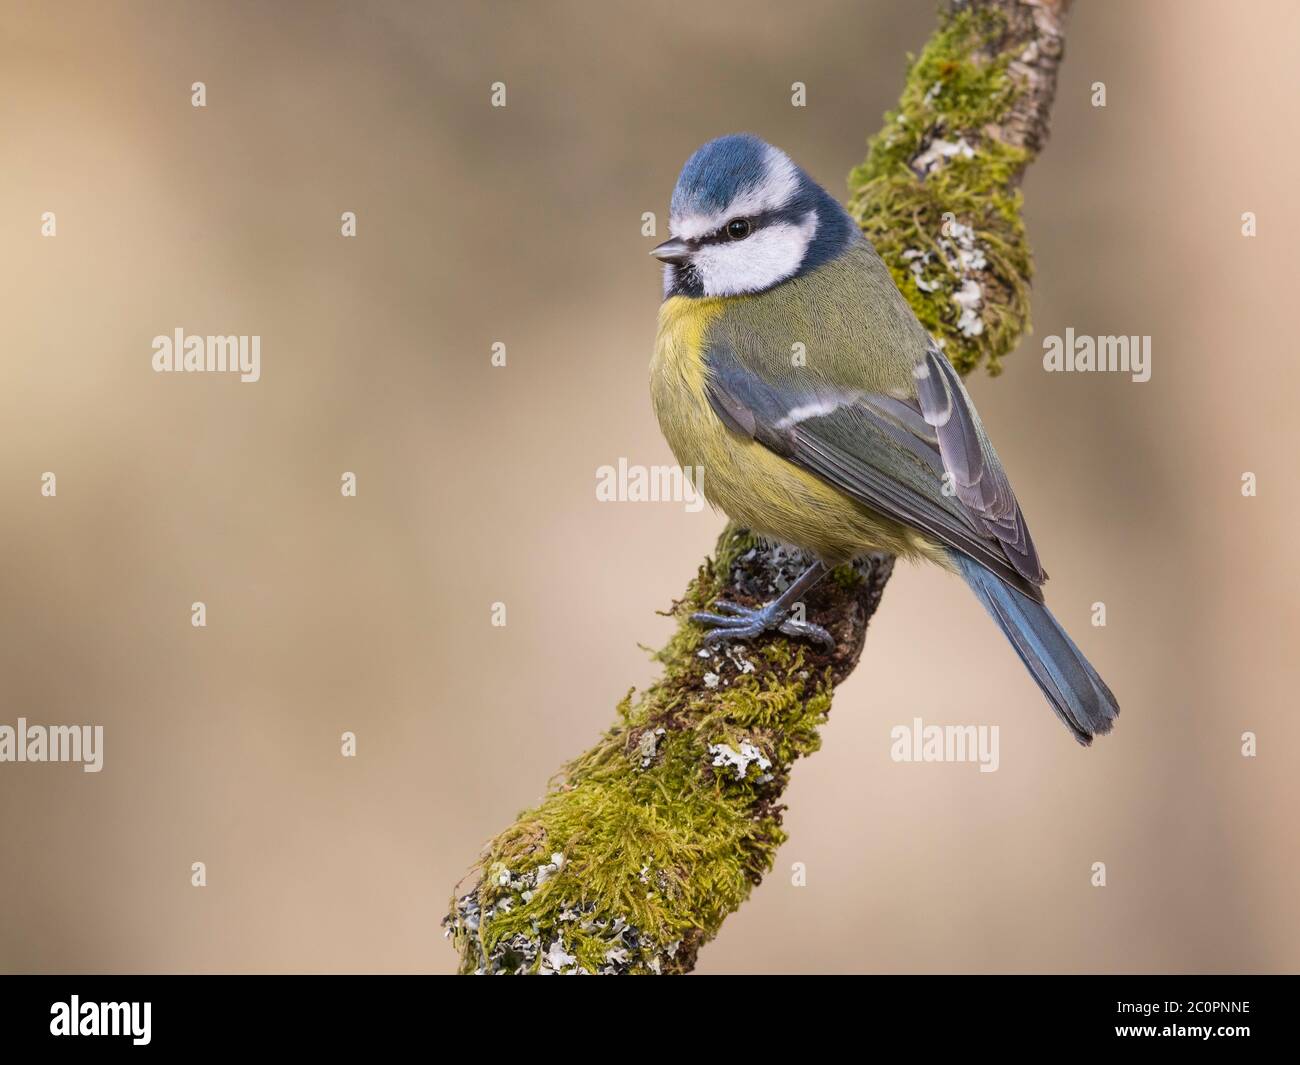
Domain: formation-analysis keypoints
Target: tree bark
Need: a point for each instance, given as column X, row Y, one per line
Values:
column 644, row 844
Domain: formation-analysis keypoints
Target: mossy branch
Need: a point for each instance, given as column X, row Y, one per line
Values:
column 939, row 192
column 644, row 844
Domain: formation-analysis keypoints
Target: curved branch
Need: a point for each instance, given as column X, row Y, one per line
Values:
column 644, row 844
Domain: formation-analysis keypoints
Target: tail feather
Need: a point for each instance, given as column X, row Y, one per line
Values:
column 1077, row 694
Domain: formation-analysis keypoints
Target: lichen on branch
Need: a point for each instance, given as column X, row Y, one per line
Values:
column 643, row 845
column 938, row 194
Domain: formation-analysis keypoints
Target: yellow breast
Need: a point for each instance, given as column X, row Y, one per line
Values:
column 748, row 482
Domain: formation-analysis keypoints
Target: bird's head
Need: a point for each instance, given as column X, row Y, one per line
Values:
column 744, row 218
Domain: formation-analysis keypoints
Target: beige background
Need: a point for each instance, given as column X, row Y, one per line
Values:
column 476, row 484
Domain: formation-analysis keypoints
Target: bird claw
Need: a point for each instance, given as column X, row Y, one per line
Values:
column 808, row 631
column 736, row 622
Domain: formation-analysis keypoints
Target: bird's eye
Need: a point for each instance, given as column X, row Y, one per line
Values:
column 738, row 228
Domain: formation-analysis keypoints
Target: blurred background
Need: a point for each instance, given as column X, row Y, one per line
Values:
column 522, row 225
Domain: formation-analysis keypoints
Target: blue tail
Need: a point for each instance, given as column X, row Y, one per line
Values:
column 1079, row 697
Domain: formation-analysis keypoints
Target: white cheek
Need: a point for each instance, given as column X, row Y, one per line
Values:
column 772, row 254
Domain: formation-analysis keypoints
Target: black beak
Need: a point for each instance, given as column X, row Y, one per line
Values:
column 672, row 251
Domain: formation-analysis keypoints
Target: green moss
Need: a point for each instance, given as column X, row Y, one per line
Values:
column 846, row 576
column 659, row 843
column 955, row 88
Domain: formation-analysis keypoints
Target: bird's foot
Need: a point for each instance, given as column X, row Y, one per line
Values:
column 735, row 622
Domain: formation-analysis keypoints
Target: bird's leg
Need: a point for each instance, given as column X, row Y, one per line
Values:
column 736, row 622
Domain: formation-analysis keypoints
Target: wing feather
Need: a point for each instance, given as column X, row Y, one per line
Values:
column 891, row 454
column 978, row 476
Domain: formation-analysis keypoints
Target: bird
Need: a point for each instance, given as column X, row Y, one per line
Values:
column 790, row 367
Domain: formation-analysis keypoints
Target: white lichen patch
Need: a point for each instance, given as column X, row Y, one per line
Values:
column 969, row 298
column 547, row 870
column 556, row 960
column 965, row 259
column 646, row 748
column 957, row 268
column 938, row 151
column 959, row 244
column 917, row 261
column 736, row 655
column 741, row 760
column 552, row 952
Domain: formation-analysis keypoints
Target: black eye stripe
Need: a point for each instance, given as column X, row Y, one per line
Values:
column 756, row 222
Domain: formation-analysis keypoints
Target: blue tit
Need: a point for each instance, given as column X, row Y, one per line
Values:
column 791, row 368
